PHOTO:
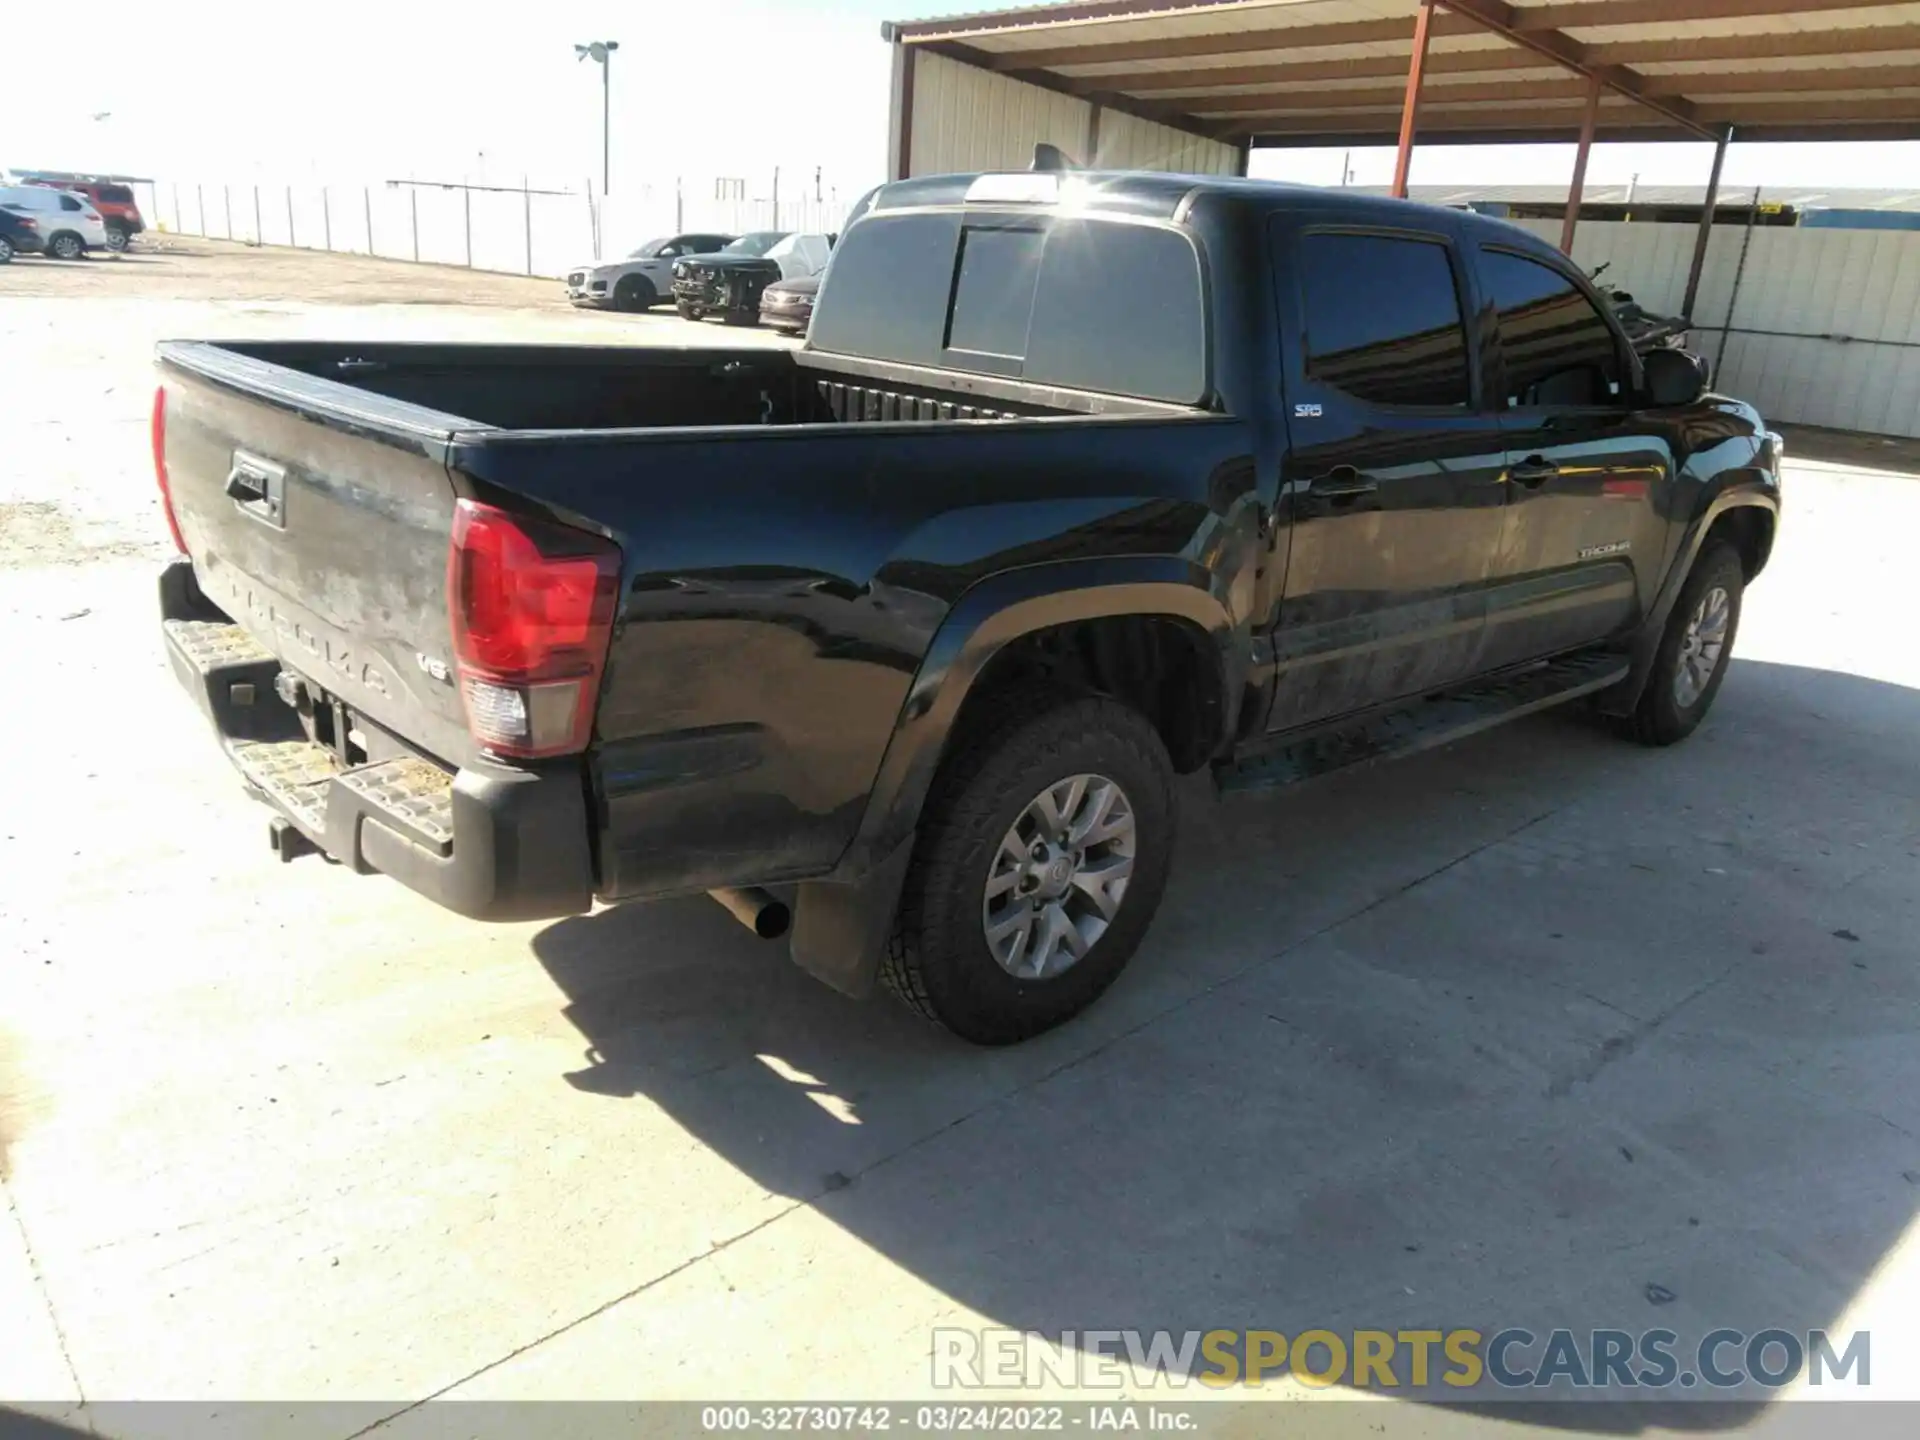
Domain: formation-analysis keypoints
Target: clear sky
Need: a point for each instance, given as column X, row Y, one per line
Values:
column 358, row 90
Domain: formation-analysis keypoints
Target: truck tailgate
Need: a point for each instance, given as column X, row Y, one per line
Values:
column 318, row 516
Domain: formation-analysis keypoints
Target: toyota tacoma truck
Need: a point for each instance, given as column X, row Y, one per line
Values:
column 904, row 635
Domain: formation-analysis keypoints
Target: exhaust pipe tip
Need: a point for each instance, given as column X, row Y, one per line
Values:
column 762, row 913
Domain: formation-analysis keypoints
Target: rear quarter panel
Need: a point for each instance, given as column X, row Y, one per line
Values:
column 783, row 587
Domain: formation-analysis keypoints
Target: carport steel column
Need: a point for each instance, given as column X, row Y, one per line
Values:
column 1578, row 189
column 1410, row 110
column 1706, row 224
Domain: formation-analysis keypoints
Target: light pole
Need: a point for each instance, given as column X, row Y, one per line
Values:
column 601, row 53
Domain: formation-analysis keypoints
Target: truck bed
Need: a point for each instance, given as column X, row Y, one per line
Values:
column 573, row 387
column 793, row 530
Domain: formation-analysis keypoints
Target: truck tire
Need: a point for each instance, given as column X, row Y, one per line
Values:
column 1042, row 853
column 688, row 312
column 1693, row 654
column 117, row 238
column 634, row 292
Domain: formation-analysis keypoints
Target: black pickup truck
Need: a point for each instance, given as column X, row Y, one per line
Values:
column 1081, row 482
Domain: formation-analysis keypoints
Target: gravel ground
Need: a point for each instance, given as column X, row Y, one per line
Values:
column 76, row 356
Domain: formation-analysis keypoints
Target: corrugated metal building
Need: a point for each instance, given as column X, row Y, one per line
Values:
column 1818, row 325
column 952, row 116
column 1816, row 205
column 1815, row 326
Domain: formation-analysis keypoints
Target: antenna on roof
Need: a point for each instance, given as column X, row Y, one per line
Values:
column 1051, row 157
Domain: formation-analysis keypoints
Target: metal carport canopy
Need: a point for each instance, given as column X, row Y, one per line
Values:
column 1336, row 72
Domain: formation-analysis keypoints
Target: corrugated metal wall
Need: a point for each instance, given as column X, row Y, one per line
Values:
column 1825, row 329
column 966, row 119
column 1129, row 143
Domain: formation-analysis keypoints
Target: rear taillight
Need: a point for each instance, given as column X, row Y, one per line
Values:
column 532, row 606
column 160, row 475
column 26, row 224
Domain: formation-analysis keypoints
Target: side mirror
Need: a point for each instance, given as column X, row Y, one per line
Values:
column 1674, row 377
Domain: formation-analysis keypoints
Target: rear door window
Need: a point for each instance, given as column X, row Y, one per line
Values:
column 1383, row 319
column 1558, row 349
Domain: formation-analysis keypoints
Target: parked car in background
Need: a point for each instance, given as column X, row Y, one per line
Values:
column 788, row 304
column 119, row 212
column 19, row 235
column 643, row 278
column 729, row 282
column 69, row 225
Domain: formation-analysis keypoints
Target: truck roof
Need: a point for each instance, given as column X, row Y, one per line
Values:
column 1159, row 195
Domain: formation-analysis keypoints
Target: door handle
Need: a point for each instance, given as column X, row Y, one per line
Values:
column 257, row 488
column 1533, row 472
column 1343, row 482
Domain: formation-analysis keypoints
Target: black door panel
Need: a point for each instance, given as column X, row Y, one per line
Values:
column 1392, row 488
column 1584, row 536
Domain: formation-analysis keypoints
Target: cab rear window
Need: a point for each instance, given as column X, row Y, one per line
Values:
column 1087, row 304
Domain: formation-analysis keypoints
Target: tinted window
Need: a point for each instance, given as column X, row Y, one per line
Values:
column 67, row 202
column 1119, row 310
column 898, row 308
column 993, row 291
column 1558, row 349
column 1383, row 319
column 116, row 194
column 923, row 298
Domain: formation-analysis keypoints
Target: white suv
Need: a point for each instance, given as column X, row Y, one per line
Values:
column 68, row 223
column 642, row 279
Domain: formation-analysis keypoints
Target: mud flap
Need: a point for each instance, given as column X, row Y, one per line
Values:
column 839, row 930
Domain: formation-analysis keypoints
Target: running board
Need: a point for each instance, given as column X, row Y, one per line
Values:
column 1423, row 724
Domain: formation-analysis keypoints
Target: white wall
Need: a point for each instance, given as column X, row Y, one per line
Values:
column 1130, row 143
column 967, row 119
column 1811, row 304
column 530, row 234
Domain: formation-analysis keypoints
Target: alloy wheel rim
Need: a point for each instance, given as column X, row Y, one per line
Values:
column 1702, row 647
column 1059, row 876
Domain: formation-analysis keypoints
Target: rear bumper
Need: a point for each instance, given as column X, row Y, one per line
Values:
column 782, row 317
column 491, row 842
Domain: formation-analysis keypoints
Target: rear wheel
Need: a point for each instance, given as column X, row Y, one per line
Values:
column 6, row 250
column 688, row 312
column 1694, row 651
column 117, row 238
column 66, row 246
column 1043, row 850
column 634, row 292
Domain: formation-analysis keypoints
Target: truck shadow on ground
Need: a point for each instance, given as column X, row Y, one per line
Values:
column 1543, row 1030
